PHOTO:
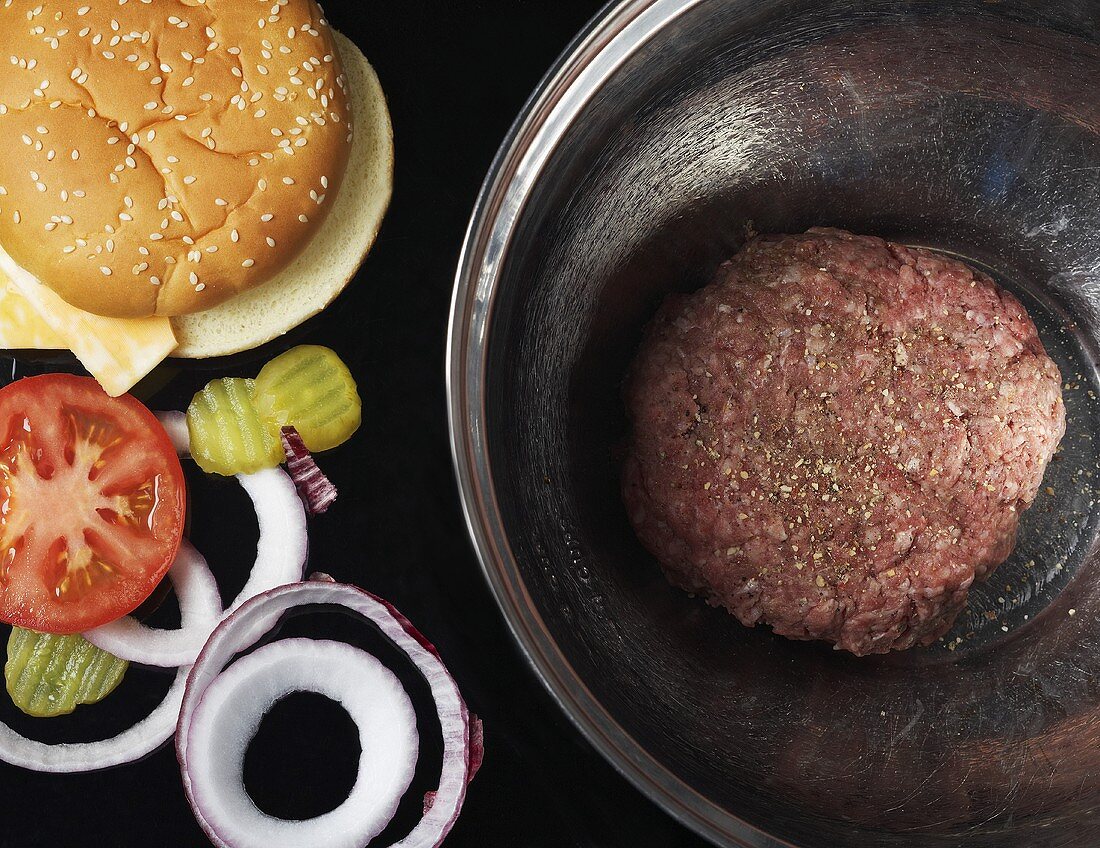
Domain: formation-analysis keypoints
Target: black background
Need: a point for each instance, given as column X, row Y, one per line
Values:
column 456, row 74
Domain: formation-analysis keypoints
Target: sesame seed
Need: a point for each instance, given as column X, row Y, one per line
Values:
column 288, row 181
column 16, row 217
column 324, row 182
column 303, row 219
column 83, row 10
column 155, row 281
column 75, row 154
column 248, row 263
column 106, row 271
column 267, row 217
column 270, row 241
column 218, row 201
column 50, row 226
column 235, row 236
column 155, row 236
column 194, row 278
column 200, row 287
column 262, row 183
column 68, row 249
column 152, row 104
column 40, row 186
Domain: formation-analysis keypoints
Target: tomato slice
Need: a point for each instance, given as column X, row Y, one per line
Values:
column 92, row 504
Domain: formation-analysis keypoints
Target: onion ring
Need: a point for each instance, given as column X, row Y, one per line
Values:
column 228, row 716
column 247, row 625
column 281, row 552
column 200, row 606
column 175, row 425
column 197, row 606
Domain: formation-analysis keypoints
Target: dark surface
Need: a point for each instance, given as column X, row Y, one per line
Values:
column 455, row 74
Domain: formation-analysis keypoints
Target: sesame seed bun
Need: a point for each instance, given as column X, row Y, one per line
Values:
column 318, row 274
column 161, row 158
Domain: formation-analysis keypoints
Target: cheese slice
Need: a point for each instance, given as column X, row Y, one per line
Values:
column 21, row 327
column 116, row 351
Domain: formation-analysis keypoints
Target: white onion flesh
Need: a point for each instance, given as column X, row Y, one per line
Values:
column 200, row 612
column 69, row 757
column 175, row 425
column 222, row 821
column 229, row 715
column 197, row 606
column 281, row 552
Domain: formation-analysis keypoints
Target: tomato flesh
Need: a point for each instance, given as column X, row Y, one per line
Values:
column 92, row 504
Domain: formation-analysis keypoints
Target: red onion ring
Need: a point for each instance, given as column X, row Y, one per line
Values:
column 245, row 627
column 175, row 425
column 200, row 610
column 191, row 579
column 281, row 552
column 70, row 757
column 228, row 716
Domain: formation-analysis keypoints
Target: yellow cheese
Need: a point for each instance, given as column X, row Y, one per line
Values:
column 116, row 351
column 21, row 327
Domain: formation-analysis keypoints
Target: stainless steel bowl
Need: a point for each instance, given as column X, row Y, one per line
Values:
column 670, row 130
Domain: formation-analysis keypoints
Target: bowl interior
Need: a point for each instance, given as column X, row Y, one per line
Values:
column 969, row 127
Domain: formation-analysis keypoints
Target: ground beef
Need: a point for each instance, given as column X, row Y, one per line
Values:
column 837, row 436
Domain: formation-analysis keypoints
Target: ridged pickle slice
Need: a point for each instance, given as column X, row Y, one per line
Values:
column 49, row 675
column 227, row 435
column 311, row 389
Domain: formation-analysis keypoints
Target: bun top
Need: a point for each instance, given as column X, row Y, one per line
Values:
column 157, row 157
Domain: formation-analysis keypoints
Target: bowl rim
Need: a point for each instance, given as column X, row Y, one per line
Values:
column 602, row 46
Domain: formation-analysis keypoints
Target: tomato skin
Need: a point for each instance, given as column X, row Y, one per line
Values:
column 92, row 504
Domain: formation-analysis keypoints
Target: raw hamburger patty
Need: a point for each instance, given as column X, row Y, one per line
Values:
column 837, row 436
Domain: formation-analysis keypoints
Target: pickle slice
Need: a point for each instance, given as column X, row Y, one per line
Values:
column 227, row 436
column 310, row 389
column 49, row 675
